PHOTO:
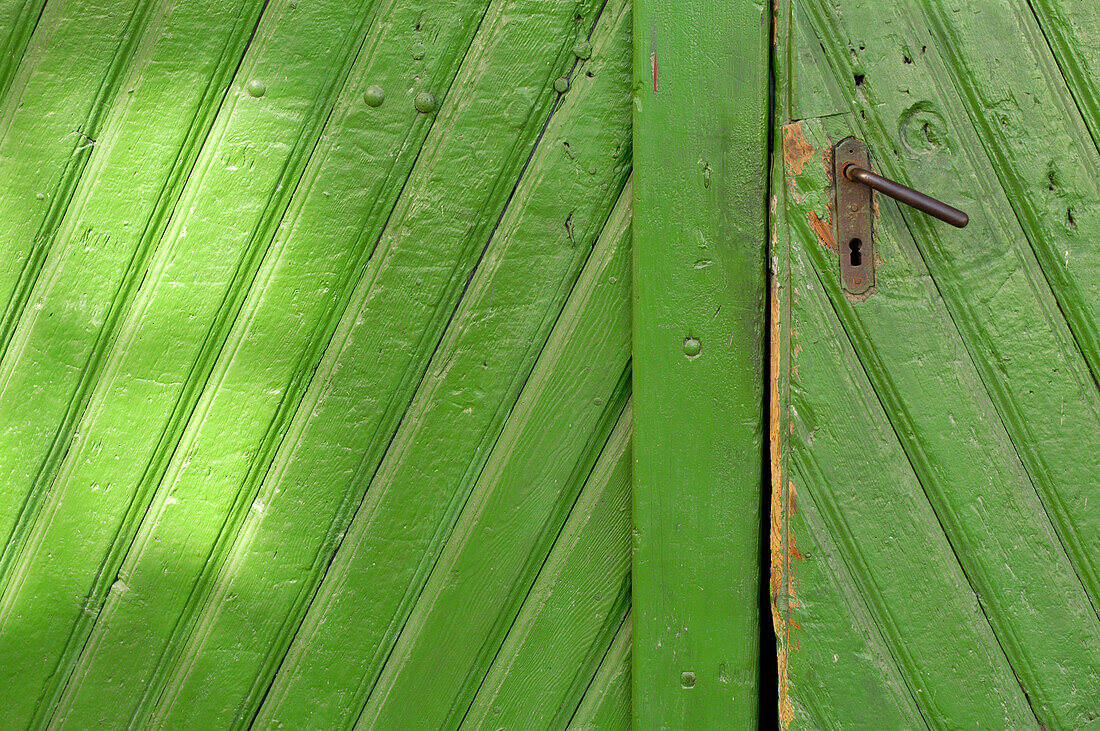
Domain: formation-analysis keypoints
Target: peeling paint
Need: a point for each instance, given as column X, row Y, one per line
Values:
column 823, row 230
column 779, row 524
column 775, row 539
column 796, row 149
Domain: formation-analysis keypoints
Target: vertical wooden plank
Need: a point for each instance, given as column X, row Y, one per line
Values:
column 700, row 135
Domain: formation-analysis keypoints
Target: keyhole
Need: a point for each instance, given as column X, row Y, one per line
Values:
column 855, row 257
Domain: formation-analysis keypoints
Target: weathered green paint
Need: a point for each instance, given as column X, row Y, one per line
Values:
column 606, row 704
column 700, row 130
column 934, row 557
column 313, row 394
column 553, row 634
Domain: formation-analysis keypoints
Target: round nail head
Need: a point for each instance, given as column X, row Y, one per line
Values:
column 374, row 96
column 424, row 102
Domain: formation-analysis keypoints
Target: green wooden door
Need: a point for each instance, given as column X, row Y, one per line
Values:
column 315, row 364
column 935, row 556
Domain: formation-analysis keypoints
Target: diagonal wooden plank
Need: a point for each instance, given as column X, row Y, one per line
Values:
column 803, row 558
column 836, row 666
column 1071, row 29
column 18, row 21
column 606, row 705
column 43, row 154
column 509, row 305
column 557, row 430
column 139, row 579
column 110, row 74
column 700, row 139
column 103, row 246
column 214, row 314
column 285, row 326
column 910, row 346
column 1005, row 541
column 111, row 226
column 888, row 538
column 509, row 112
column 843, row 492
column 1038, row 146
column 196, row 286
column 336, row 644
column 354, row 593
column 992, row 284
column 574, row 609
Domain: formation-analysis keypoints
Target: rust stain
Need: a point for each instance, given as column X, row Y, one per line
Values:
column 653, row 62
column 792, row 551
column 796, row 149
column 823, row 230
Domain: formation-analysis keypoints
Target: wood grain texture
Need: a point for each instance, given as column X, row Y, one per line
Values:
column 972, row 363
column 701, row 100
column 574, row 609
column 316, row 296
column 606, row 703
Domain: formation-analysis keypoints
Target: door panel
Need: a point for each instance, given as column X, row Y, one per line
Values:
column 934, row 556
column 315, row 374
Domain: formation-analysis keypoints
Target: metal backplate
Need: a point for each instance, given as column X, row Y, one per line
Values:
column 852, row 213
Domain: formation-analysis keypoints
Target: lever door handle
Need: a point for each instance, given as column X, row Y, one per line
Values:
column 906, row 195
column 853, row 208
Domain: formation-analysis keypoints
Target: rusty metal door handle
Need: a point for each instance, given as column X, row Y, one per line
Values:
column 853, row 206
column 906, row 195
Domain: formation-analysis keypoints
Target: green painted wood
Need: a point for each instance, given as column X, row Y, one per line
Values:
column 939, row 430
column 46, row 146
column 44, row 160
column 574, row 609
column 152, row 392
column 325, row 332
column 18, row 21
column 701, row 99
column 100, row 251
column 533, row 473
column 606, row 704
column 503, row 318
